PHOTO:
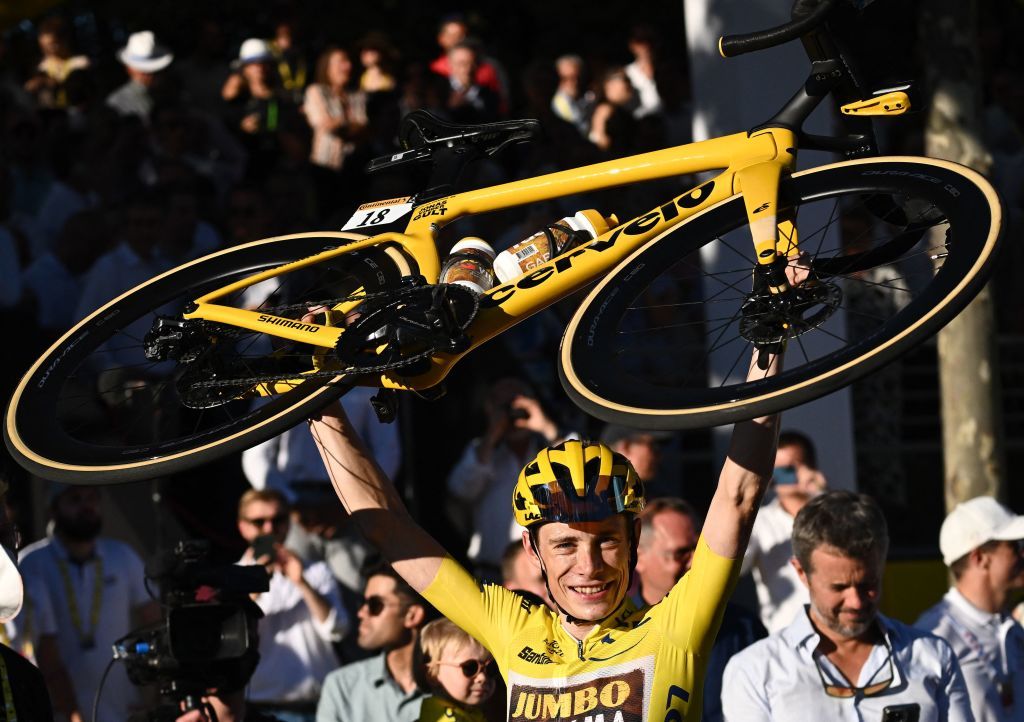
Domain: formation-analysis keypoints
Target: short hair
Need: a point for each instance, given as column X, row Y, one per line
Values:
column 959, row 566
column 266, row 495
column 795, row 438
column 508, row 559
column 851, row 523
column 440, row 634
column 657, row 506
column 403, row 589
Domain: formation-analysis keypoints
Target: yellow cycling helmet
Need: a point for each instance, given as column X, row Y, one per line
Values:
column 576, row 481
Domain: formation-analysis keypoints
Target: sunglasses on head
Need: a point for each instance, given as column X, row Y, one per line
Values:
column 472, row 667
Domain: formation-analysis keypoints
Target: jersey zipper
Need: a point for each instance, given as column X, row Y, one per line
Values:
column 579, row 649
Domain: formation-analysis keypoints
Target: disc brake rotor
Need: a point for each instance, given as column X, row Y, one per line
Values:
column 768, row 320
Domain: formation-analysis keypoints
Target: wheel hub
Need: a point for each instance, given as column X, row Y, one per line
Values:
column 772, row 318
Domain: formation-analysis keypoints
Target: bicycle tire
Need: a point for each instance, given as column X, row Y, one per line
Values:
column 602, row 362
column 44, row 428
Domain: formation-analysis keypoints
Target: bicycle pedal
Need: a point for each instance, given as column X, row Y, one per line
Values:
column 385, row 405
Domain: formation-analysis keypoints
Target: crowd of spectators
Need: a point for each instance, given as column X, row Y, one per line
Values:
column 105, row 184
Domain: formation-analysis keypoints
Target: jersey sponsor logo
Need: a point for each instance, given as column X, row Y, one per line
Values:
column 553, row 647
column 643, row 224
column 529, row 655
column 612, row 698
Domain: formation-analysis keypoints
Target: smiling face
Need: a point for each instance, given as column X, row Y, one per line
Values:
column 449, row 673
column 844, row 591
column 587, row 564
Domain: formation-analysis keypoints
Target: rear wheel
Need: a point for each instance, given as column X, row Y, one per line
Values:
column 94, row 409
column 901, row 245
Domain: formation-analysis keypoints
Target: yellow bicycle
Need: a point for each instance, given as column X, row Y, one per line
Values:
column 228, row 350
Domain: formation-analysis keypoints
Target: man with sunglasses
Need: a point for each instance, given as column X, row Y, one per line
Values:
column 302, row 613
column 382, row 688
column 981, row 543
column 840, row 659
column 595, row 654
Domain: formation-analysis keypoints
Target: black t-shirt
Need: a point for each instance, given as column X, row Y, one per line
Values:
column 31, row 700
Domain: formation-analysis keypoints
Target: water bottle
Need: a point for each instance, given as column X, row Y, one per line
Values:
column 469, row 265
column 548, row 242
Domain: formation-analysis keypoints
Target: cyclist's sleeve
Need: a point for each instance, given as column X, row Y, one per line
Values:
column 692, row 611
column 491, row 614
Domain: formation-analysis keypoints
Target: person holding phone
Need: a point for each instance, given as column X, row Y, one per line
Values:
column 795, row 480
column 303, row 613
column 483, row 478
column 840, row 659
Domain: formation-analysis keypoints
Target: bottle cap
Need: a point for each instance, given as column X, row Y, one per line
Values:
column 474, row 243
column 590, row 221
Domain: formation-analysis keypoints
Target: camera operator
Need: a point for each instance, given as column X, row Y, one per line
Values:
column 229, row 707
column 485, row 475
column 303, row 614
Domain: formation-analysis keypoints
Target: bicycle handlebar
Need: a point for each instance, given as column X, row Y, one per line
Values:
column 732, row 45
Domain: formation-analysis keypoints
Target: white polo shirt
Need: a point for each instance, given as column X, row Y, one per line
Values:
column 990, row 649
column 777, row 679
column 780, row 593
column 121, row 575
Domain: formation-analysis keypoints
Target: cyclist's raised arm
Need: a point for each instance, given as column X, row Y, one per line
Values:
column 372, row 500
column 745, row 476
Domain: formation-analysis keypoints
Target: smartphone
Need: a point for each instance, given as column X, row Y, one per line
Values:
column 784, row 475
column 263, row 546
column 902, row 713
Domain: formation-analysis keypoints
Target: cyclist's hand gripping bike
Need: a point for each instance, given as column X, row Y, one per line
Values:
column 231, row 349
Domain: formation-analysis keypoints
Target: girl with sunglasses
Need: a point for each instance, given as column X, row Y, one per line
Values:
column 458, row 670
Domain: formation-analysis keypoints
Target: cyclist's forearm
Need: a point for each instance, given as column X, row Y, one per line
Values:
column 372, row 500
column 357, row 479
column 744, row 478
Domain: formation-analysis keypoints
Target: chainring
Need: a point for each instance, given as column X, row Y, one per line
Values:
column 397, row 329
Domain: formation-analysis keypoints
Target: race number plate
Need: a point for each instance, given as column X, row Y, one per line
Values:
column 378, row 213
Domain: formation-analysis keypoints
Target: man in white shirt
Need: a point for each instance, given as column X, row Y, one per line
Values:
column 302, row 611
column 795, row 480
column 840, row 660
column 84, row 592
column 981, row 542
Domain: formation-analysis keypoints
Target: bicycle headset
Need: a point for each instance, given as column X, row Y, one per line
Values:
column 577, row 481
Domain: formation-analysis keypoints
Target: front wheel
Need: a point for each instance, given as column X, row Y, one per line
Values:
column 94, row 410
column 899, row 245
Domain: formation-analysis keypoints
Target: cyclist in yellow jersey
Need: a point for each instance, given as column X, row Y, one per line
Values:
column 596, row 656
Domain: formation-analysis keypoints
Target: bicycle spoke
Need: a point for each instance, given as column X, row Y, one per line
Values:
column 733, row 367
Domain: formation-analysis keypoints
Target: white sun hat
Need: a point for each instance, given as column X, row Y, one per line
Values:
column 144, row 53
column 253, row 50
column 974, row 522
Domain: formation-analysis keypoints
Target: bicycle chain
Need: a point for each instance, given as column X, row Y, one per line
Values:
column 278, row 310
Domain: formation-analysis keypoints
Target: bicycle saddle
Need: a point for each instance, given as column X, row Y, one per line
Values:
column 421, row 134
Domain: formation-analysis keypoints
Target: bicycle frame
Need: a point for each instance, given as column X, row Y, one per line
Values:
column 752, row 162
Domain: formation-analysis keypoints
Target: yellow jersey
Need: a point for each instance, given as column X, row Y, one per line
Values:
column 439, row 709
column 638, row 665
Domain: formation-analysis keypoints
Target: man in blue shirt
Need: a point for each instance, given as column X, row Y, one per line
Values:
column 840, row 660
column 383, row 687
